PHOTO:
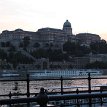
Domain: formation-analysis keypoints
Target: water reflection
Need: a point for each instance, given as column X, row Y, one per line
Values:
column 7, row 87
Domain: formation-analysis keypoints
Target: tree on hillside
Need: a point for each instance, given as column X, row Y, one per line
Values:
column 75, row 49
column 68, row 47
column 36, row 45
column 99, row 47
column 40, row 53
column 3, row 44
column 97, row 65
column 3, row 54
column 26, row 41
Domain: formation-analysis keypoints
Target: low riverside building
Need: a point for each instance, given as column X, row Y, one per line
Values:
column 98, row 57
column 43, row 63
column 79, row 62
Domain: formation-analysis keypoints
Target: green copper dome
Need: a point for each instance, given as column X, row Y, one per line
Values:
column 67, row 24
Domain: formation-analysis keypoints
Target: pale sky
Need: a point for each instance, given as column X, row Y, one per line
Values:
column 85, row 15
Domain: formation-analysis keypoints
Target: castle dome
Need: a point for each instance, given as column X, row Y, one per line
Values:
column 18, row 30
column 67, row 24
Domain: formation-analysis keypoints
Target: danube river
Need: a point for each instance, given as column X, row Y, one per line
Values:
column 50, row 85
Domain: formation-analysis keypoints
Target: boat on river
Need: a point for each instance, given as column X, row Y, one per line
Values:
column 65, row 73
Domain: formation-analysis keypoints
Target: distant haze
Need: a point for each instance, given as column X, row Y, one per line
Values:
column 85, row 15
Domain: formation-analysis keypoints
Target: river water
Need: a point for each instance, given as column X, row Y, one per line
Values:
column 50, row 85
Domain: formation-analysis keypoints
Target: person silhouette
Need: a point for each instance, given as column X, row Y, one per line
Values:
column 42, row 98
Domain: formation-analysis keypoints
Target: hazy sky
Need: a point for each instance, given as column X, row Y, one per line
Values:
column 84, row 15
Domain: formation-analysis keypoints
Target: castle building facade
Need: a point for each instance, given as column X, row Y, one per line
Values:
column 48, row 36
column 87, row 38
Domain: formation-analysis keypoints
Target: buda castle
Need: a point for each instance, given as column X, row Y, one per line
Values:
column 47, row 37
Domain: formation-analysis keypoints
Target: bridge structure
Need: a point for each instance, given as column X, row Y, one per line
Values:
column 77, row 98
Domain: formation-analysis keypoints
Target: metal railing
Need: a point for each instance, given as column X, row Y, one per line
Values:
column 47, row 98
column 78, row 96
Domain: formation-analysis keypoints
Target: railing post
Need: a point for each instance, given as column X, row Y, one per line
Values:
column 28, row 93
column 61, row 85
column 89, row 83
column 77, row 91
column 101, row 97
column 10, row 95
column 89, row 89
column 101, row 90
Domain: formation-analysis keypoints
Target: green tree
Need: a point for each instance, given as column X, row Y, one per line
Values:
column 75, row 49
column 3, row 54
column 96, row 65
column 17, row 57
column 36, row 45
column 40, row 53
column 3, row 44
column 99, row 48
column 55, row 55
column 21, row 44
column 12, row 48
column 68, row 47
column 26, row 41
column 8, row 44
